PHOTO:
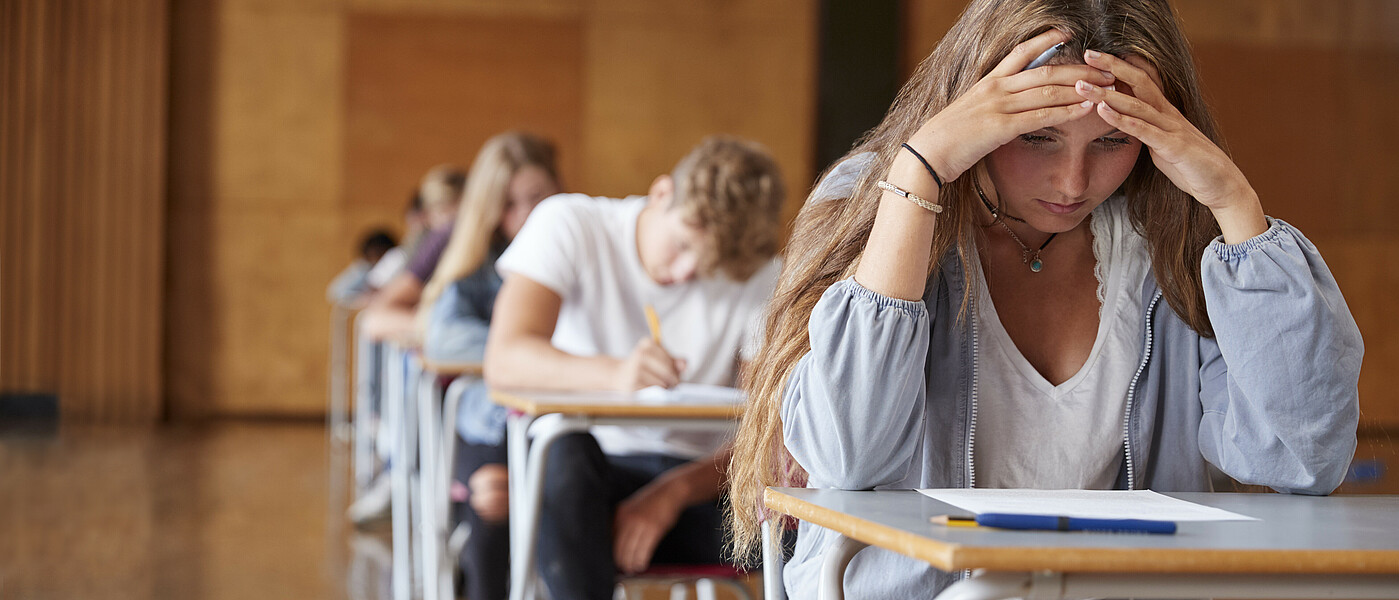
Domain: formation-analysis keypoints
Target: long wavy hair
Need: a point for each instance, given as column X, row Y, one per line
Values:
column 829, row 236
column 483, row 205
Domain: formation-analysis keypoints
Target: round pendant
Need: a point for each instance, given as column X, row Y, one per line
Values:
column 1036, row 265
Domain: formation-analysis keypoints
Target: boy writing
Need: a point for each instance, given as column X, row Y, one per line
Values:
column 571, row 315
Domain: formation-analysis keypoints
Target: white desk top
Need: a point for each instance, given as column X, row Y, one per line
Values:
column 1296, row 534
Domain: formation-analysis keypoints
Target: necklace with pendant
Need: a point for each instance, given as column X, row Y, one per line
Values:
column 1027, row 256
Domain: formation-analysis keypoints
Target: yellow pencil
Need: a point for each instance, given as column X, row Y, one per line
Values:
column 654, row 322
column 952, row 521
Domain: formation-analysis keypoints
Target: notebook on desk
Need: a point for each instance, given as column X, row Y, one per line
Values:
column 1090, row 504
column 691, row 393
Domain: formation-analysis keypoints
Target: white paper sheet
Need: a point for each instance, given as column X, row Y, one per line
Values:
column 691, row 393
column 1092, row 504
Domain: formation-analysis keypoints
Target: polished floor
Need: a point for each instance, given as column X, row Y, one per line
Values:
column 228, row 510
column 221, row 511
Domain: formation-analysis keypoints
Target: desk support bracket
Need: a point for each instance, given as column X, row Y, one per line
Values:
column 838, row 556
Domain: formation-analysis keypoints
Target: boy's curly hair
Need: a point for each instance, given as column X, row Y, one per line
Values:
column 732, row 188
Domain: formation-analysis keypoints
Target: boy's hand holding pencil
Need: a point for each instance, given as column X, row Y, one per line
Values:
column 649, row 364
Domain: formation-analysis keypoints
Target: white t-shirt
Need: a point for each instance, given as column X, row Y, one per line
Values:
column 1031, row 434
column 584, row 249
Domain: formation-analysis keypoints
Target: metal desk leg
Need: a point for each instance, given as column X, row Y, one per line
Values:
column 399, row 473
column 367, row 373
column 837, row 557
column 772, row 563
column 446, row 573
column 338, row 419
column 545, row 431
column 412, row 372
column 428, row 391
column 517, row 446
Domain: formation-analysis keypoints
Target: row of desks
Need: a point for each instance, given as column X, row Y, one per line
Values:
column 1303, row 547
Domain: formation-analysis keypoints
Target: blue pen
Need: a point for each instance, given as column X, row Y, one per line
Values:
column 1045, row 56
column 1057, row 523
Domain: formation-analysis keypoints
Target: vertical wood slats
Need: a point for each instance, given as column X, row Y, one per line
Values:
column 82, row 173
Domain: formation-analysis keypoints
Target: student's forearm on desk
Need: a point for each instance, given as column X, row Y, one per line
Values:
column 526, row 362
column 402, row 292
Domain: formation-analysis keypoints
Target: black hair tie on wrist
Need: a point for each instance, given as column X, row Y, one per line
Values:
column 925, row 163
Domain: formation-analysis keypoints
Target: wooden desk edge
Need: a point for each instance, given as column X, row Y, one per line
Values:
column 451, row 369
column 512, row 400
column 938, row 554
column 952, row 557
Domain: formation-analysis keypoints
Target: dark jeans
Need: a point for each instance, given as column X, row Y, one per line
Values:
column 485, row 561
column 582, row 488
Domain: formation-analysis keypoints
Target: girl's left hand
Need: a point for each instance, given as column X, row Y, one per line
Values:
column 1192, row 161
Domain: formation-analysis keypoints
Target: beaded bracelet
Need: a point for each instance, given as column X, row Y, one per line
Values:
column 914, row 198
column 925, row 164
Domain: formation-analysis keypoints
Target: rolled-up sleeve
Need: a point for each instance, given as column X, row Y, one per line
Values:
column 854, row 404
column 1279, row 382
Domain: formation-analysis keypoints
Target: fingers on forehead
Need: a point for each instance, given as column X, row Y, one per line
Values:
column 1131, row 63
column 1146, row 67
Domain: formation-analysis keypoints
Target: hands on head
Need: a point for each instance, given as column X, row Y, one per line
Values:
column 1124, row 92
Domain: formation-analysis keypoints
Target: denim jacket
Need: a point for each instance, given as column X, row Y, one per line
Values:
column 457, row 330
column 887, row 396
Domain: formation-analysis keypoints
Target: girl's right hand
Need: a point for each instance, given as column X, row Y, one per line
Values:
column 649, row 364
column 1006, row 103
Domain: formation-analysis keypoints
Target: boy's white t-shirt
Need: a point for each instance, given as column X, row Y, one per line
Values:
column 584, row 249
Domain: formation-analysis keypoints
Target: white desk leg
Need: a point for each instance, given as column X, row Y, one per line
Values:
column 772, row 564
column 836, row 558
column 336, row 417
column 413, row 373
column 428, row 393
column 517, row 446
column 447, row 461
column 546, row 430
column 364, row 411
column 399, row 473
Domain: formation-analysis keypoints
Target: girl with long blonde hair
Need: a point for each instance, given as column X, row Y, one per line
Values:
column 972, row 297
column 513, row 173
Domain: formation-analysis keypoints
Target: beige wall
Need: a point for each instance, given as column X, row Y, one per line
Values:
column 1304, row 92
column 274, row 134
column 82, row 198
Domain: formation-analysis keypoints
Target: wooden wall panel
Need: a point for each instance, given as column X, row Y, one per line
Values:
column 296, row 124
column 428, row 89
column 82, row 164
column 257, row 151
column 661, row 75
column 1303, row 90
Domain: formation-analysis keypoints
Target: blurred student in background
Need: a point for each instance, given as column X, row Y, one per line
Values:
column 352, row 284
column 390, row 314
column 513, row 173
column 396, row 259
